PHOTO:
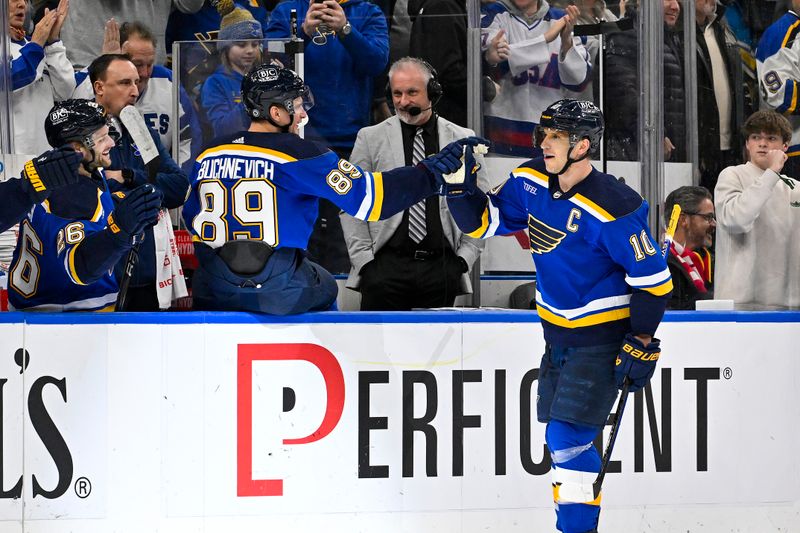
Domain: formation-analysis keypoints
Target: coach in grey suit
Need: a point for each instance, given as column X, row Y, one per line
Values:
column 390, row 269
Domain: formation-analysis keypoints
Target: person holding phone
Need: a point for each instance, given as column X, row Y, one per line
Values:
column 346, row 46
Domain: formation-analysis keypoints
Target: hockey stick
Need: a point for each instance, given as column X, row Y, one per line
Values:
column 623, row 397
column 134, row 123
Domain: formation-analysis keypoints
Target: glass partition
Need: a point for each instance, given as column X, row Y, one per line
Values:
column 665, row 124
column 637, row 82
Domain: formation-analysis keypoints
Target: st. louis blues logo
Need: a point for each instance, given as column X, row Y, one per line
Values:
column 543, row 238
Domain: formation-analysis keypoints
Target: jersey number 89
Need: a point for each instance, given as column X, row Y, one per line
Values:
column 247, row 211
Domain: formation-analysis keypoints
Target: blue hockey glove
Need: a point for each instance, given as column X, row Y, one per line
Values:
column 449, row 159
column 49, row 171
column 137, row 211
column 636, row 362
column 464, row 180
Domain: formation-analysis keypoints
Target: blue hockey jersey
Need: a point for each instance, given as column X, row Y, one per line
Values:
column 591, row 246
column 43, row 275
column 266, row 186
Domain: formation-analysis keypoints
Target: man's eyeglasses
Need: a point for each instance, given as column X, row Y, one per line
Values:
column 710, row 217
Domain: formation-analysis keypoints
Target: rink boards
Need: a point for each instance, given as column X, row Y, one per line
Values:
column 348, row 422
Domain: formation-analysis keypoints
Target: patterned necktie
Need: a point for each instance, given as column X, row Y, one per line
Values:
column 416, row 213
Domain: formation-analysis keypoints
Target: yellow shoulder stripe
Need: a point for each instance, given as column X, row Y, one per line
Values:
column 244, row 148
column 72, row 272
column 478, row 233
column 377, row 197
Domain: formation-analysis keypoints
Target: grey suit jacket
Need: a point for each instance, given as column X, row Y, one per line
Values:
column 379, row 148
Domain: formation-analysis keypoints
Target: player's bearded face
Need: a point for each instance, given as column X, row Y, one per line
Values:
column 103, row 143
column 555, row 148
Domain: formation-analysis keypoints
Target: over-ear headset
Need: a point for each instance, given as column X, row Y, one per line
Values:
column 434, row 87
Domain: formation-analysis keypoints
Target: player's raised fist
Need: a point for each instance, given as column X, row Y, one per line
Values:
column 51, row 170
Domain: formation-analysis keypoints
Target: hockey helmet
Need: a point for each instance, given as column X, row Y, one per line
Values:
column 269, row 85
column 74, row 120
column 582, row 119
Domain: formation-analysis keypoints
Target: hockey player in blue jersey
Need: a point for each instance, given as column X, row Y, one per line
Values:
column 602, row 287
column 71, row 238
column 254, row 202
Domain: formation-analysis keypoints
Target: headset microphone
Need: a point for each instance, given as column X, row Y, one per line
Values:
column 414, row 111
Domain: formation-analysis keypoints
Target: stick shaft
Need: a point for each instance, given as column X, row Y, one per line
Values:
column 612, row 437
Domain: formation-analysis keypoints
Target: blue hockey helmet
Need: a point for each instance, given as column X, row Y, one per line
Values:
column 74, row 120
column 268, row 85
column 581, row 118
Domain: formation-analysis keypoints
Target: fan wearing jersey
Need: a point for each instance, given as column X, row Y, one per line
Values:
column 602, row 287
column 255, row 196
column 73, row 235
column 538, row 61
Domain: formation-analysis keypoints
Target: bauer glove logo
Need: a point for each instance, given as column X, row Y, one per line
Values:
column 639, row 354
column 33, row 177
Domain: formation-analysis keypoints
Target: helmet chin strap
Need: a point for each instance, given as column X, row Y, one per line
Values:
column 570, row 160
column 88, row 143
column 283, row 127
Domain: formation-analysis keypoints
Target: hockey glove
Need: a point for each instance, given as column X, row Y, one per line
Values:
column 49, row 171
column 636, row 362
column 449, row 159
column 137, row 211
column 465, row 179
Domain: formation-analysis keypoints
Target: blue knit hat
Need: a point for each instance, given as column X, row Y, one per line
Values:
column 239, row 25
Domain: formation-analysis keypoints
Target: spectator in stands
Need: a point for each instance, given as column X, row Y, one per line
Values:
column 753, row 17
column 114, row 79
column 155, row 88
column 417, row 258
column 40, row 73
column 346, row 46
column 758, row 218
column 778, row 60
column 204, row 25
column 689, row 259
column 720, row 98
column 439, row 36
column 83, row 31
column 592, row 12
column 622, row 90
column 240, row 48
column 538, row 62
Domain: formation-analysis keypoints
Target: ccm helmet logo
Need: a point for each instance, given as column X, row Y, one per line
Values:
column 639, row 354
